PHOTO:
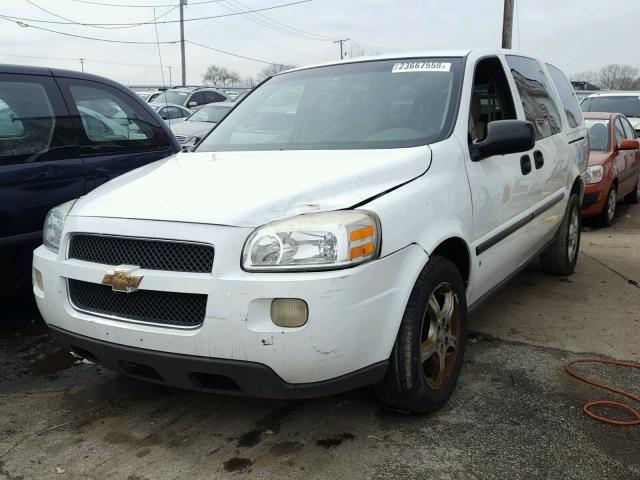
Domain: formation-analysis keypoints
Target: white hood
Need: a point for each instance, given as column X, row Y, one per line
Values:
column 249, row 189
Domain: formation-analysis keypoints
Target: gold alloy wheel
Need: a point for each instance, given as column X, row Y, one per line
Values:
column 440, row 337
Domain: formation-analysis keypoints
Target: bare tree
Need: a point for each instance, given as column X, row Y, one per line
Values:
column 617, row 77
column 221, row 76
column 360, row 50
column 271, row 70
column 589, row 77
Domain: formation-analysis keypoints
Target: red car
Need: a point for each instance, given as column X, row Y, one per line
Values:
column 613, row 173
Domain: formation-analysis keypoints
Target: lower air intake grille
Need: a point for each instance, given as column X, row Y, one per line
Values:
column 150, row 306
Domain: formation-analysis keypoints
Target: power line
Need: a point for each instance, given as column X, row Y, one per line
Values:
column 129, row 42
column 229, row 53
column 142, row 43
column 141, row 6
column 69, row 59
column 285, row 26
column 273, row 7
column 222, row 24
column 270, row 24
column 100, row 26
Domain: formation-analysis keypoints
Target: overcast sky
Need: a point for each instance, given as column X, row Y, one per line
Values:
column 575, row 35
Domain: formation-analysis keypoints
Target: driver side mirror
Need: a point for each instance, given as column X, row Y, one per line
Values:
column 193, row 104
column 629, row 144
column 504, row 137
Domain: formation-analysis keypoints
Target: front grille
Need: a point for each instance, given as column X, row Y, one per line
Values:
column 145, row 253
column 150, row 306
column 181, row 138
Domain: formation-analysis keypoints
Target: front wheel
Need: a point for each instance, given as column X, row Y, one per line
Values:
column 427, row 356
column 561, row 256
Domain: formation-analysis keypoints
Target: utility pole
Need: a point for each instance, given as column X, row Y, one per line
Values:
column 341, row 42
column 170, row 82
column 184, row 63
column 507, row 23
column 82, row 64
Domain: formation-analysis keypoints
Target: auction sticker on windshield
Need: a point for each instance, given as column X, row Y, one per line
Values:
column 421, row 67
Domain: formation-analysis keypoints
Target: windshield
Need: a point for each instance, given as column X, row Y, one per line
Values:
column 171, row 96
column 379, row 104
column 599, row 136
column 628, row 105
column 209, row 113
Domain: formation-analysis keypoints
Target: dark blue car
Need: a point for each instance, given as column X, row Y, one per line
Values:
column 62, row 134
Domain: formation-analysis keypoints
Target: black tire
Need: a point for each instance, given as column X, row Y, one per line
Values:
column 633, row 197
column 608, row 214
column 409, row 385
column 559, row 258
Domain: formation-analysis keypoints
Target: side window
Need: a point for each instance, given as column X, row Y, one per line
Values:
column 173, row 112
column 567, row 95
column 629, row 132
column 198, row 98
column 537, row 103
column 112, row 121
column 213, row 97
column 620, row 135
column 490, row 99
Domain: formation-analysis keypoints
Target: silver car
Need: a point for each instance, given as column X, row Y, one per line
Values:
column 171, row 113
column 195, row 127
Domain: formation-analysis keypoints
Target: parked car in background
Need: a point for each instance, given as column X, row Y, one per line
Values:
column 191, row 97
column 62, row 134
column 144, row 95
column 239, row 98
column 171, row 113
column 614, row 166
column 627, row 103
column 153, row 96
column 332, row 232
column 195, row 127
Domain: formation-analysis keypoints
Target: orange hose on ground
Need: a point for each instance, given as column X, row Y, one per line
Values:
column 587, row 406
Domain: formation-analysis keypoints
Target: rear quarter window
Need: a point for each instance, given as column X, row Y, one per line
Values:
column 567, row 96
column 27, row 120
column 537, row 102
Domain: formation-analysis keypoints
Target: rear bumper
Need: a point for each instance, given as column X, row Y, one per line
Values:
column 217, row 375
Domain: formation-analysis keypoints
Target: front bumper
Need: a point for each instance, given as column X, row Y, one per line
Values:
column 354, row 314
column 231, row 377
column 594, row 199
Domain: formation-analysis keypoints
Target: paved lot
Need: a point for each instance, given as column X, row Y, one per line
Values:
column 515, row 413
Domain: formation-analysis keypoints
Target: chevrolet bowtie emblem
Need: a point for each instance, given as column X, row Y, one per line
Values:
column 123, row 279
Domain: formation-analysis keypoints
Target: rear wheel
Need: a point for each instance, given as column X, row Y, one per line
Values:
column 607, row 215
column 427, row 356
column 561, row 256
column 634, row 196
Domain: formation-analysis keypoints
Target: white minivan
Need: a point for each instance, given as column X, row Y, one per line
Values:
column 332, row 232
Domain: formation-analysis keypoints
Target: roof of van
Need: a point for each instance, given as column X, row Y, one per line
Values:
column 413, row 54
column 57, row 72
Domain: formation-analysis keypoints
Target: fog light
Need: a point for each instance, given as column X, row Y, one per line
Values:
column 289, row 312
column 36, row 278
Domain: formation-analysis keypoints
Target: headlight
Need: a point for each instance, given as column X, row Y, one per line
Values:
column 53, row 224
column 317, row 241
column 594, row 174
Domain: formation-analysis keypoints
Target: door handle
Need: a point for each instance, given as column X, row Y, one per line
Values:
column 525, row 164
column 538, row 159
